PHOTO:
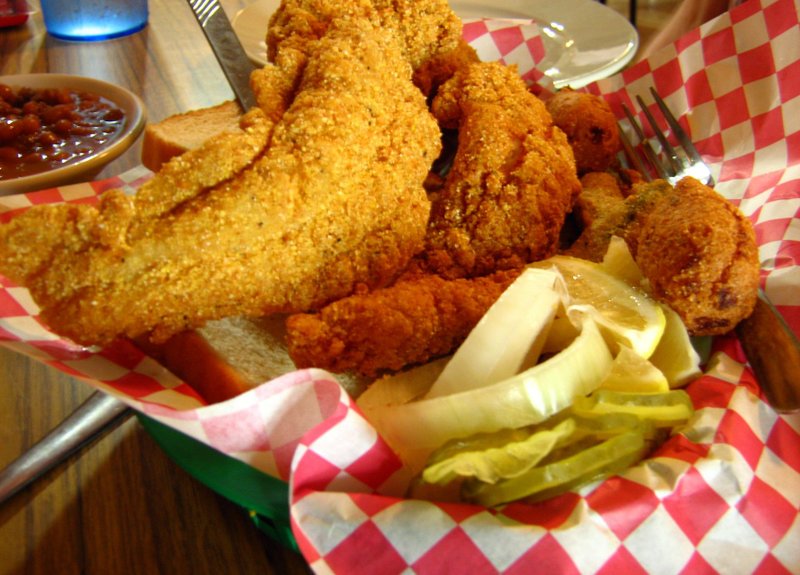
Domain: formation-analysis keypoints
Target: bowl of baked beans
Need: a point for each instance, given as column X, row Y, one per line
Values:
column 58, row 129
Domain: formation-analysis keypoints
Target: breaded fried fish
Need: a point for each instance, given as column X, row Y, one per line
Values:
column 513, row 178
column 502, row 205
column 424, row 28
column 333, row 198
column 410, row 322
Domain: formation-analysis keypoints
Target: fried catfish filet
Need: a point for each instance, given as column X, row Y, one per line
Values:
column 333, row 198
column 696, row 249
column 424, row 28
column 388, row 329
column 513, row 178
column 502, row 205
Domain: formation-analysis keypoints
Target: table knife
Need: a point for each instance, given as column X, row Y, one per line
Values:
column 100, row 413
column 227, row 48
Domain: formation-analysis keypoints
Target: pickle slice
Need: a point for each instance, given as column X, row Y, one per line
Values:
column 600, row 460
column 501, row 461
column 666, row 409
column 511, row 452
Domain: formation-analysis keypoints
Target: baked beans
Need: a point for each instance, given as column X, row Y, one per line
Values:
column 42, row 129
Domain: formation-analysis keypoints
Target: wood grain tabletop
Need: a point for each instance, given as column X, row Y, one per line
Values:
column 120, row 505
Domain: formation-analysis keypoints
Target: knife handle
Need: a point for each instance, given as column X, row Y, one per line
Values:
column 100, row 413
column 773, row 352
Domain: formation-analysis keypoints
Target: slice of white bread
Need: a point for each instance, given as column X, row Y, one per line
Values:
column 227, row 357
column 181, row 132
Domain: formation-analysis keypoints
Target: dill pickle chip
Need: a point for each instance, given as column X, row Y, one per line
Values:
column 511, row 452
column 604, row 425
column 500, row 461
column 666, row 409
column 599, row 460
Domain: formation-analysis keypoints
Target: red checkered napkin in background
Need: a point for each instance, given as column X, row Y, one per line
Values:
column 512, row 41
column 722, row 496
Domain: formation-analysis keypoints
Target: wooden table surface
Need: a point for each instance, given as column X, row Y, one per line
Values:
column 120, row 505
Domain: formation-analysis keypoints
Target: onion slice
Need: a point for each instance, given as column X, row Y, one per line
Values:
column 417, row 428
column 507, row 339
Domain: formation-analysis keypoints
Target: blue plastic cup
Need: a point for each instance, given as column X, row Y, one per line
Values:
column 82, row 20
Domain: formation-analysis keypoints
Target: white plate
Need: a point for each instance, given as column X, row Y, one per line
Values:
column 584, row 40
column 86, row 168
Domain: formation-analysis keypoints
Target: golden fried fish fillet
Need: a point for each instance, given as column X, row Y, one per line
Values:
column 335, row 201
column 512, row 181
column 424, row 28
column 410, row 322
column 502, row 205
column 696, row 249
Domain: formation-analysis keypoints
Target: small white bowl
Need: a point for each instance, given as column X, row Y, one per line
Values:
column 86, row 168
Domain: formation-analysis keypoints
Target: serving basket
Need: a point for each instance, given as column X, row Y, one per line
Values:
column 721, row 494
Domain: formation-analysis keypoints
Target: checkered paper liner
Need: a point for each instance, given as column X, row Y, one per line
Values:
column 721, row 496
column 511, row 41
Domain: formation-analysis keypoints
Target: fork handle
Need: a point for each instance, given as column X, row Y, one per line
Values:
column 774, row 354
column 100, row 412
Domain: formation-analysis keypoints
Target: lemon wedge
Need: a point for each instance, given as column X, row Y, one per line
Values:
column 619, row 262
column 626, row 315
column 633, row 373
column 675, row 355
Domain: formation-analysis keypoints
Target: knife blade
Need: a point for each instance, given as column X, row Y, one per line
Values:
column 227, row 48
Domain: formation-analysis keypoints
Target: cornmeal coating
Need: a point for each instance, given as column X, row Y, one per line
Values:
column 502, row 205
column 699, row 253
column 442, row 66
column 590, row 126
column 408, row 323
column 513, row 178
column 424, row 28
column 334, row 201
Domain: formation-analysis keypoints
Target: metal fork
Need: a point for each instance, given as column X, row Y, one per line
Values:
column 771, row 348
column 670, row 163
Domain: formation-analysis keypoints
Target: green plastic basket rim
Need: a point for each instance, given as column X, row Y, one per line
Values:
column 265, row 498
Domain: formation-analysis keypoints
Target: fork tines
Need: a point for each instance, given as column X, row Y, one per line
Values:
column 667, row 161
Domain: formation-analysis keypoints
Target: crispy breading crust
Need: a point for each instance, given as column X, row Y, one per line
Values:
column 441, row 67
column 590, row 126
column 424, row 28
column 699, row 253
column 513, row 178
column 388, row 329
column 336, row 200
column 502, row 205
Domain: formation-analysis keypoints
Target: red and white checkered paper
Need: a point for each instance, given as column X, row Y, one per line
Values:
column 721, row 496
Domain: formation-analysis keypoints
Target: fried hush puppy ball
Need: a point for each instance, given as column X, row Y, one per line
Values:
column 696, row 249
column 590, row 126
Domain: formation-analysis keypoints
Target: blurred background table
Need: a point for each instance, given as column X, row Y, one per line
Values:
column 120, row 505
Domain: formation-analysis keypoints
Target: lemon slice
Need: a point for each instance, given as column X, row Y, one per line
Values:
column 627, row 315
column 675, row 356
column 633, row 373
column 619, row 262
